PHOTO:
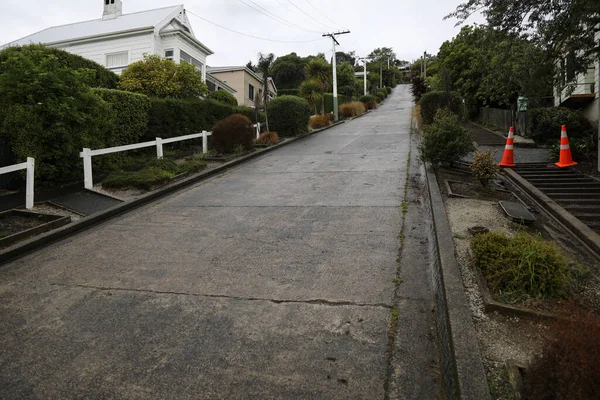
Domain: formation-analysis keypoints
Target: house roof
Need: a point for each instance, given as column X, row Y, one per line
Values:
column 125, row 23
column 216, row 80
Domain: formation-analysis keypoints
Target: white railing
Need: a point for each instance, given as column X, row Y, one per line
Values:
column 29, row 165
column 87, row 154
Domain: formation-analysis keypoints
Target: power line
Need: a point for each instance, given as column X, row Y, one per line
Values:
column 319, row 11
column 308, row 15
column 252, row 36
column 310, row 21
column 274, row 17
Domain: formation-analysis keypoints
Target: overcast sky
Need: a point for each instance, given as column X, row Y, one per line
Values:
column 408, row 26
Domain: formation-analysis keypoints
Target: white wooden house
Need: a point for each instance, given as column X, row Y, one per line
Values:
column 117, row 40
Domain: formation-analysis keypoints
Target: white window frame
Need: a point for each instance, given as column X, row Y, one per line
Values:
column 114, row 54
column 199, row 65
column 252, row 92
column 172, row 57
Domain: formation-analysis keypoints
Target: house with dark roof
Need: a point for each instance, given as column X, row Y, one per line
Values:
column 117, row 40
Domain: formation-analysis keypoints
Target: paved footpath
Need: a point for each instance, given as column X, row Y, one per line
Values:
column 277, row 279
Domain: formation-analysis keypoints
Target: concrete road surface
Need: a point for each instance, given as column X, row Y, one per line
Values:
column 283, row 278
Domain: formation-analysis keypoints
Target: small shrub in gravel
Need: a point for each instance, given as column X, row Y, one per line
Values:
column 484, row 166
column 568, row 366
column 143, row 179
column 353, row 109
column 445, row 141
column 164, row 164
column 521, row 267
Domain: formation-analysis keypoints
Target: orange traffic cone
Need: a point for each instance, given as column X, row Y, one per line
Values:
column 565, row 160
column 508, row 158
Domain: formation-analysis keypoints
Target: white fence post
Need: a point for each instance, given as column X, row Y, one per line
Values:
column 159, row 148
column 88, row 181
column 204, row 142
column 30, row 183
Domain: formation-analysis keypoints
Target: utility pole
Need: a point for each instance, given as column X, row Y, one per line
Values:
column 381, row 74
column 335, row 99
column 365, row 74
column 424, row 64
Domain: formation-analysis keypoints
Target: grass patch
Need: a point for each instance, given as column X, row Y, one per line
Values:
column 404, row 207
column 521, row 268
column 144, row 179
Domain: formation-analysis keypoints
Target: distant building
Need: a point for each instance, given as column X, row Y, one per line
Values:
column 246, row 83
column 580, row 91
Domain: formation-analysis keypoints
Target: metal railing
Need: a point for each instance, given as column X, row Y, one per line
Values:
column 28, row 165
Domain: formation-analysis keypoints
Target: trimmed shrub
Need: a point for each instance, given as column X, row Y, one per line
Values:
column 522, row 267
column 383, row 93
column 582, row 149
column 251, row 113
column 288, row 92
column 319, row 121
column 567, row 367
column 418, row 88
column 223, row 97
column 545, row 124
column 268, row 138
column 164, row 164
column 354, row 109
column 378, row 98
column 445, row 141
column 130, row 114
column 48, row 111
column 484, row 166
column 389, row 90
column 232, row 132
column 369, row 101
column 288, row 115
column 433, row 101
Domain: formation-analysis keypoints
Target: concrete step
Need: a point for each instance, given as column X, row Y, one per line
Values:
column 580, row 202
column 563, row 179
column 572, row 196
column 582, row 208
column 587, row 216
column 558, row 189
column 566, row 185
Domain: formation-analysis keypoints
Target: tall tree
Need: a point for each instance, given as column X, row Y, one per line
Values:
column 288, row 71
column 349, row 57
column 567, row 28
column 310, row 90
column 265, row 61
column 319, row 71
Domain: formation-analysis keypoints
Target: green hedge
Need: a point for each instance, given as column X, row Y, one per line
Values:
column 129, row 112
column 224, row 97
column 432, row 101
column 288, row 92
column 177, row 117
column 545, row 124
column 288, row 115
column 329, row 101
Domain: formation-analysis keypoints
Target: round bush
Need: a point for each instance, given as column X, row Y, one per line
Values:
column 389, row 90
column 232, row 132
column 369, row 102
column 445, row 141
column 288, row 115
column 223, row 97
column 268, row 138
column 383, row 93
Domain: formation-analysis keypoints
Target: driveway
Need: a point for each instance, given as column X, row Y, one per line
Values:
column 284, row 277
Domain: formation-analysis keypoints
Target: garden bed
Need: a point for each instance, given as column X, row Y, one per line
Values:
column 17, row 225
column 515, row 330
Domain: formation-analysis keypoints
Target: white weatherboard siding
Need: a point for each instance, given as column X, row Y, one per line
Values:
column 136, row 46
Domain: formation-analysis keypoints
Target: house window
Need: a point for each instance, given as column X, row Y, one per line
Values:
column 186, row 57
column 169, row 54
column 251, row 92
column 116, row 60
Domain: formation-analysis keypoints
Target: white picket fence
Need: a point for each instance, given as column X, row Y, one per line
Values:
column 87, row 154
column 29, row 165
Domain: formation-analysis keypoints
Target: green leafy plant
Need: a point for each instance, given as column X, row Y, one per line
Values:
column 320, row 72
column 289, row 115
column 268, row 138
column 484, row 166
column 445, row 141
column 389, row 90
column 164, row 164
column 567, row 367
column 369, row 102
column 521, row 267
column 431, row 102
column 310, row 91
column 223, row 96
column 418, row 88
column 319, row 121
column 232, row 133
column 545, row 124
column 158, row 77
